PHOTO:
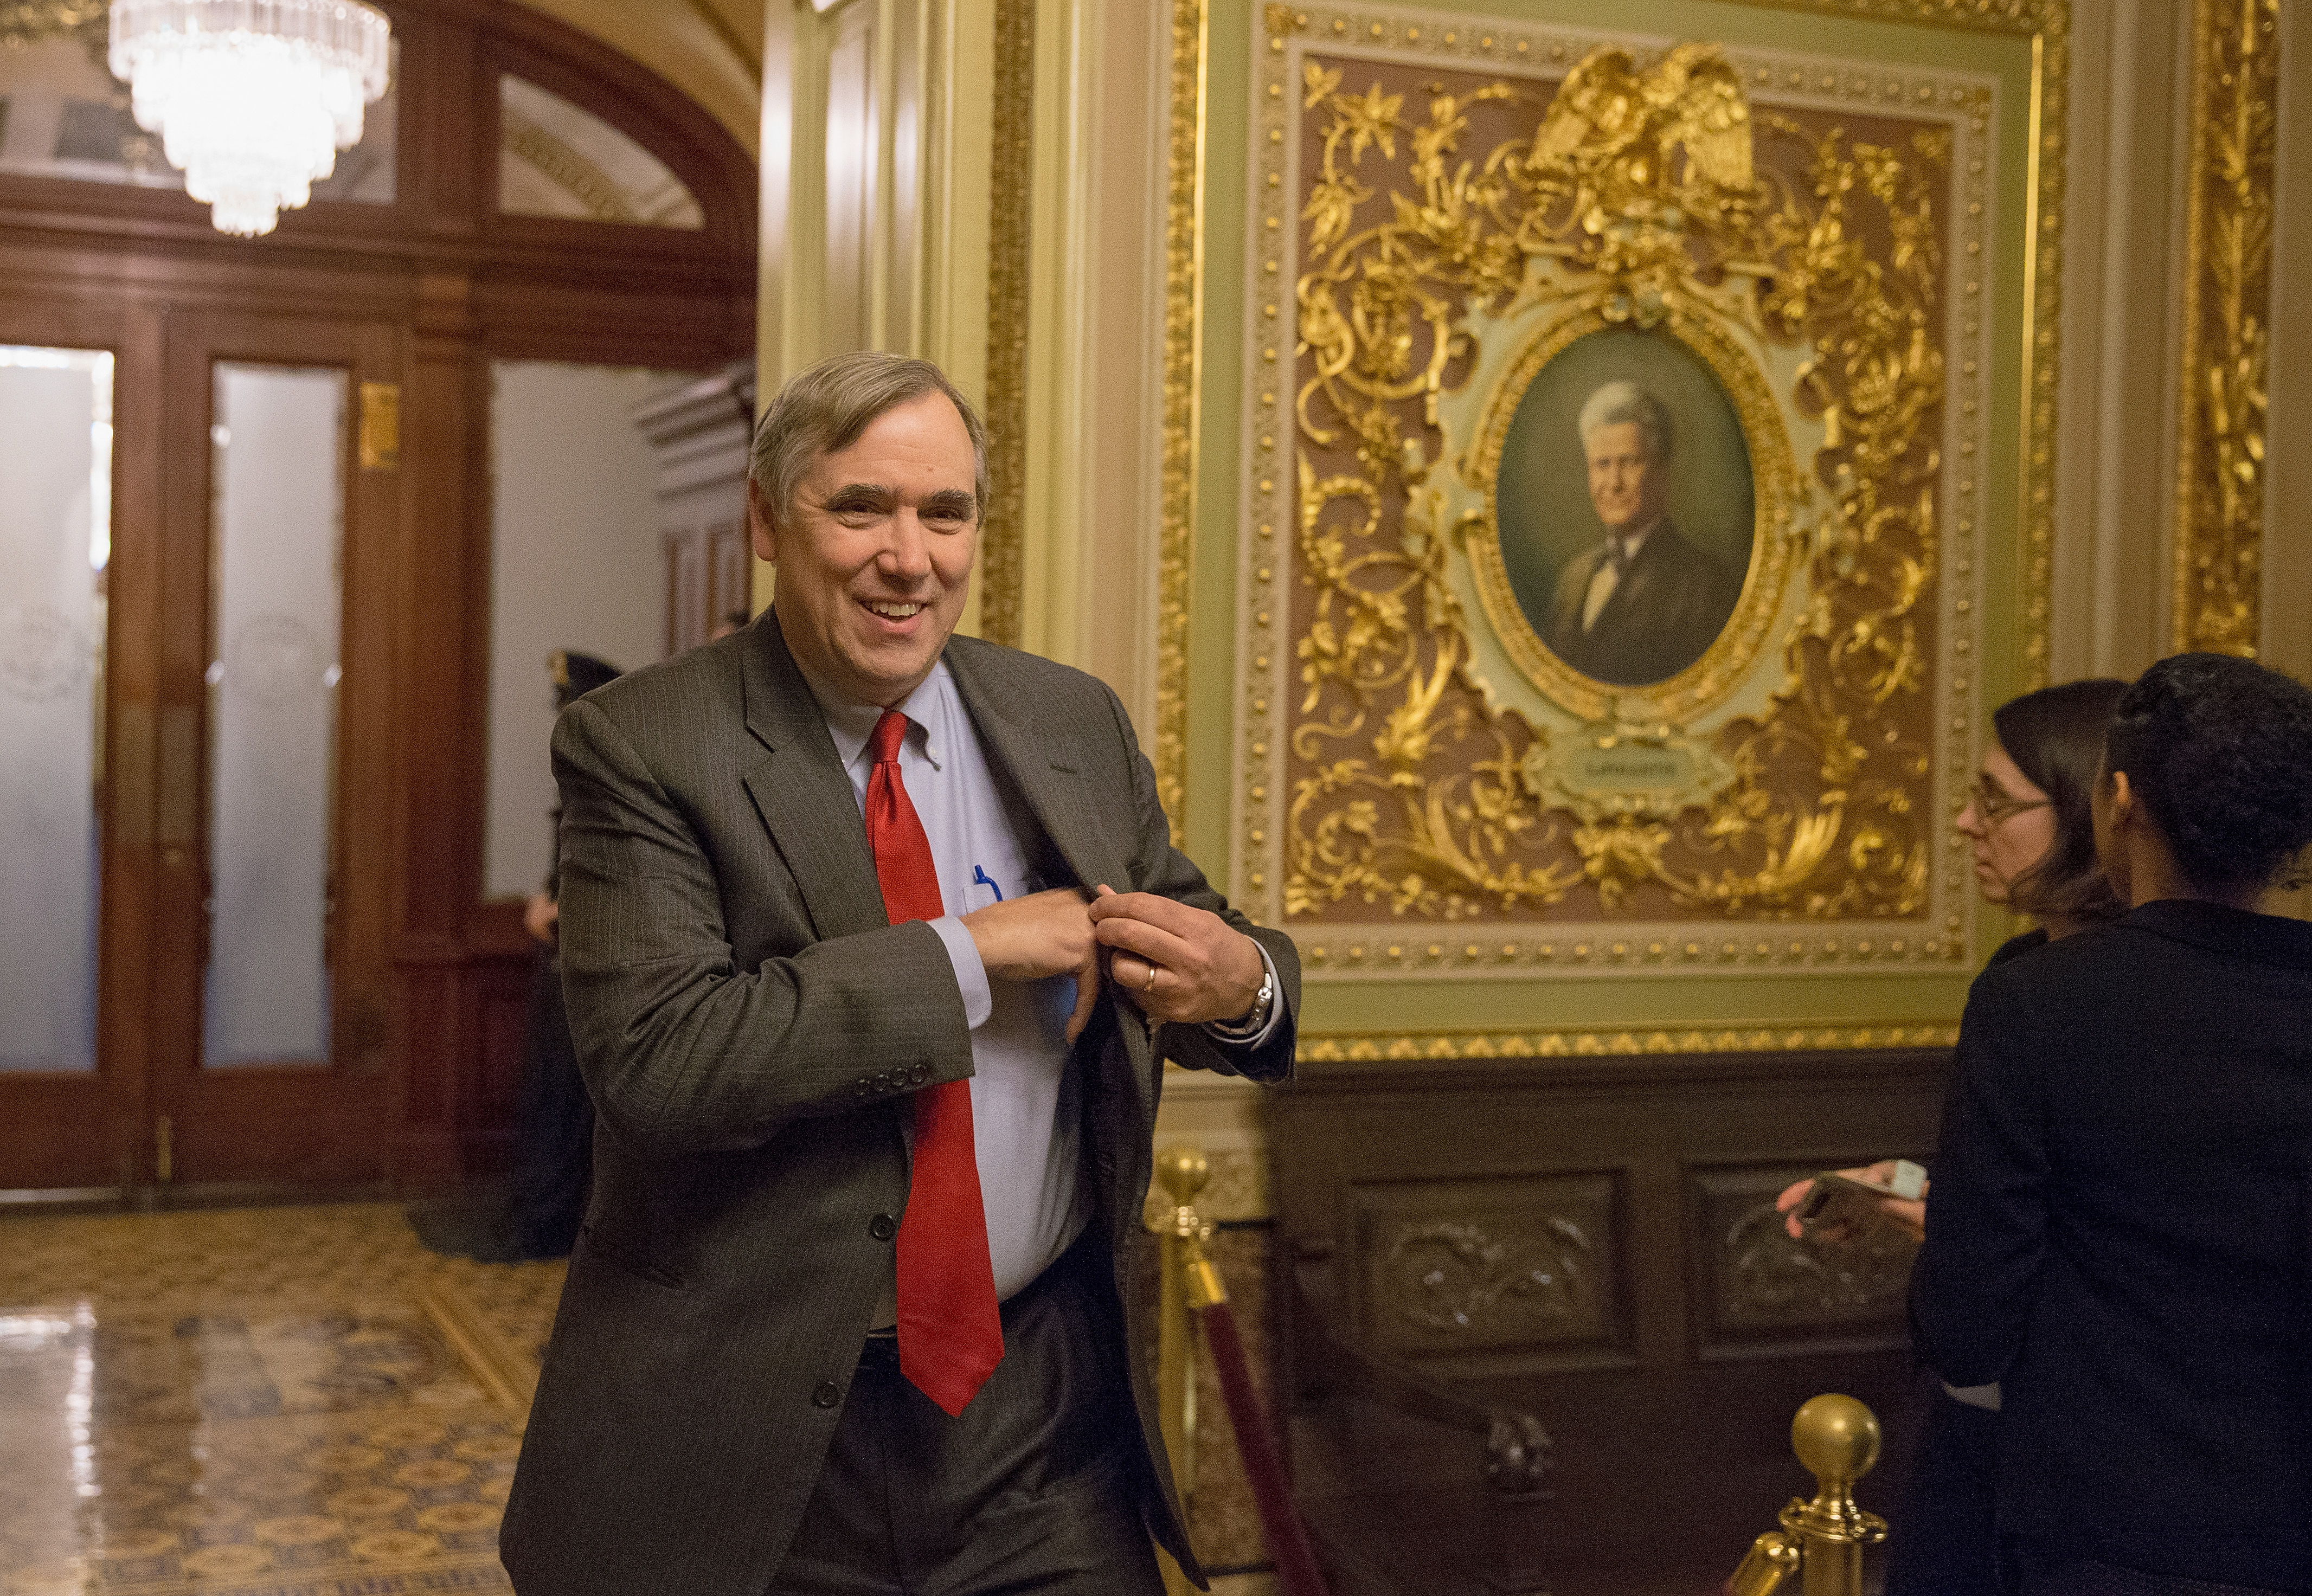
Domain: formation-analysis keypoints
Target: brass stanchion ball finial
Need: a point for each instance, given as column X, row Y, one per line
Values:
column 1184, row 1172
column 1836, row 1438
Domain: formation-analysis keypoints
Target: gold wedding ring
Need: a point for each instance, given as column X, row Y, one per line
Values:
column 1149, row 984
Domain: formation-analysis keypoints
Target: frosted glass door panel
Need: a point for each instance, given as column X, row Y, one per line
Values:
column 278, row 534
column 56, row 540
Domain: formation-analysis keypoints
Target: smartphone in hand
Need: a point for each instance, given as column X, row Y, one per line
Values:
column 1841, row 1206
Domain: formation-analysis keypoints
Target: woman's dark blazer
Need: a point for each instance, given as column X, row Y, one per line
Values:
column 2119, row 1233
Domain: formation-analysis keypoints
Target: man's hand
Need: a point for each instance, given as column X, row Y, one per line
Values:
column 1044, row 934
column 1180, row 964
column 540, row 915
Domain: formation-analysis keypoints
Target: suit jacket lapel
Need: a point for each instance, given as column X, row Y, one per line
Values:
column 804, row 794
column 1632, row 592
column 1049, row 774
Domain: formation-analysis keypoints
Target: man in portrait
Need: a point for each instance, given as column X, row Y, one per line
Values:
column 874, row 940
column 1643, row 603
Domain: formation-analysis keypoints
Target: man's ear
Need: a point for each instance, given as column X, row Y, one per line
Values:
column 759, row 524
column 2122, row 799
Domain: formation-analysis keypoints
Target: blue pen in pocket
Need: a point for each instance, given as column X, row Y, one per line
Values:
column 980, row 877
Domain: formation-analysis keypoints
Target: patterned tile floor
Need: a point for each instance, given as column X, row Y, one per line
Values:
column 257, row 1402
column 305, row 1402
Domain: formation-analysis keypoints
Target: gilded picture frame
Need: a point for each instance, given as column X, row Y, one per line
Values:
column 1507, row 660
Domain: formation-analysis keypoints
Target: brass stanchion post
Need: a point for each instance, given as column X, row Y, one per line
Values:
column 1837, row 1439
column 1182, row 1171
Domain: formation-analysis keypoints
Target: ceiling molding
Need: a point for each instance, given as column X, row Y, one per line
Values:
column 698, row 47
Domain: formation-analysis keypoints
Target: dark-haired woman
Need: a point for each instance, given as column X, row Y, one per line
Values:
column 2121, row 1233
column 2029, row 823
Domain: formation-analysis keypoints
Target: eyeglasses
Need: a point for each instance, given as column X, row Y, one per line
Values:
column 1994, row 805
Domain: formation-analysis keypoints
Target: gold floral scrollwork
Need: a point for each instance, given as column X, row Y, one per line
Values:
column 2227, row 312
column 35, row 21
column 1783, row 248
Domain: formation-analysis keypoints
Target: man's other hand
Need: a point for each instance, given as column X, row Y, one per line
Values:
column 1182, row 965
column 1043, row 934
column 539, row 917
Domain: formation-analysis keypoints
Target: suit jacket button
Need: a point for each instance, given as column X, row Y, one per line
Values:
column 827, row 1395
column 883, row 1227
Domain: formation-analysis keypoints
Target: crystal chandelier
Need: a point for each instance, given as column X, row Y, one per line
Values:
column 252, row 98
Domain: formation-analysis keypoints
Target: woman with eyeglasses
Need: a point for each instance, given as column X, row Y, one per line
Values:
column 2029, row 821
column 2121, row 1232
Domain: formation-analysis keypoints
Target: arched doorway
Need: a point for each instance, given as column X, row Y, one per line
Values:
column 245, row 606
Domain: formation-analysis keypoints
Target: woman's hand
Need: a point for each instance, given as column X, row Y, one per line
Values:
column 1909, row 1212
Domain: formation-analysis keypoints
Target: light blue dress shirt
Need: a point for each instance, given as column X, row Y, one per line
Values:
column 1025, row 1114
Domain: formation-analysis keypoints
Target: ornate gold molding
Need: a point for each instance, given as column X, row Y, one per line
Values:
column 1003, row 539
column 1410, row 1046
column 1879, row 658
column 1184, row 339
column 2227, row 312
column 2046, row 22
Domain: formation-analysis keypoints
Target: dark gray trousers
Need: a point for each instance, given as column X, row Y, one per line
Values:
column 1034, row 1488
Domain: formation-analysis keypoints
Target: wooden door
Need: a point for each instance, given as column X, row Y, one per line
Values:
column 270, row 975
column 194, row 680
column 79, row 492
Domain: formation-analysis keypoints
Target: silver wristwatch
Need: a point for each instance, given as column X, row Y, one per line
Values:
column 1256, row 1020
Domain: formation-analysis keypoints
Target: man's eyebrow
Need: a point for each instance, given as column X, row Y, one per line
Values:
column 863, row 492
column 952, row 498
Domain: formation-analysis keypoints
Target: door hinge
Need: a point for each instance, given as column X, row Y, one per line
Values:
column 380, row 426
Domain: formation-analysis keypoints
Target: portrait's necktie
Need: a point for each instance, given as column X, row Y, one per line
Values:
column 1605, row 579
column 950, row 1335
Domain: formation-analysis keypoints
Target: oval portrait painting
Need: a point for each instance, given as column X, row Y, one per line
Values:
column 1625, row 505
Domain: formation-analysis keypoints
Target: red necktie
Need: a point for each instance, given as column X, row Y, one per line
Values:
column 950, row 1336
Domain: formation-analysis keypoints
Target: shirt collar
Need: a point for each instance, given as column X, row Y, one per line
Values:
column 2237, row 933
column 1632, row 542
column 852, row 725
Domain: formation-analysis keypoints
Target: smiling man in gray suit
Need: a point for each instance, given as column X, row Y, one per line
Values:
column 874, row 940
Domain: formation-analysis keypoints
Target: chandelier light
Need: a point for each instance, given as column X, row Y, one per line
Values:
column 252, row 98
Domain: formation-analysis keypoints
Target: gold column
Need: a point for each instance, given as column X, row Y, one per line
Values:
column 1010, row 239
column 1184, row 377
column 2227, row 312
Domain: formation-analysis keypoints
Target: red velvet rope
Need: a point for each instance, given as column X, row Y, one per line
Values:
column 1297, row 1574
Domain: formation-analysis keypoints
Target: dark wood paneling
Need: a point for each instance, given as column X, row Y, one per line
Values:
column 1467, row 1268
column 1592, row 1241
column 500, row 957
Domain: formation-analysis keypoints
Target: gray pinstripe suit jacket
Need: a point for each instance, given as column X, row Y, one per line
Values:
column 751, row 1025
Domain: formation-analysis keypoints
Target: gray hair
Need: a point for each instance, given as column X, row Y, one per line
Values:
column 824, row 410
column 1621, row 401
